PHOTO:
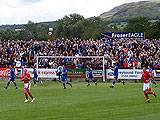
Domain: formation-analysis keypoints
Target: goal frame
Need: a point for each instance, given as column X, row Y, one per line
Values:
column 74, row 57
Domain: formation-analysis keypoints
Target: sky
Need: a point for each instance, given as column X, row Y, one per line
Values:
column 20, row 11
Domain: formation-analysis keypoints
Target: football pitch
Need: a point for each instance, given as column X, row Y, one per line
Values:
column 79, row 103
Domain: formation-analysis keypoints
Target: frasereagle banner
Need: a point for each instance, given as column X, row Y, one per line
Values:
column 113, row 35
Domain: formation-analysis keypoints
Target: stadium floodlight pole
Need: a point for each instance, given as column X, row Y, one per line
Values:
column 102, row 57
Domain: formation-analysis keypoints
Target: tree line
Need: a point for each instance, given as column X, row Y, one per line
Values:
column 76, row 26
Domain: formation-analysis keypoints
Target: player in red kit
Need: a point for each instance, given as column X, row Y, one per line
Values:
column 26, row 80
column 146, row 77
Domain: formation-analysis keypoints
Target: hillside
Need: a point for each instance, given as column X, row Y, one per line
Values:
column 149, row 9
column 129, row 10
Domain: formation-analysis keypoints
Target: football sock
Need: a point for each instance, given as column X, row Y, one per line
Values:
column 88, row 81
column 69, row 84
column 113, row 83
column 154, row 83
column 64, row 85
column 96, row 83
column 26, row 96
column 30, row 94
column 146, row 95
column 15, row 84
column 7, row 84
column 34, row 81
column 59, row 77
column 123, row 82
column 155, row 95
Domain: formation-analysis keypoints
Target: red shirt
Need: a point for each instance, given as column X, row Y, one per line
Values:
column 134, row 63
column 146, row 76
column 125, row 65
column 26, row 80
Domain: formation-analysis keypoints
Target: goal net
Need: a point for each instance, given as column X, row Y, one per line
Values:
column 76, row 65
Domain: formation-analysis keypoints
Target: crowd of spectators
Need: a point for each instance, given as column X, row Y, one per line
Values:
column 129, row 53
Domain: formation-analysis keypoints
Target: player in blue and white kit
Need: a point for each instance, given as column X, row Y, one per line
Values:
column 59, row 72
column 12, row 77
column 64, row 77
column 115, row 73
column 89, row 76
column 152, row 74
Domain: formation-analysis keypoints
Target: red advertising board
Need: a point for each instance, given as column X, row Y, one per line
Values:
column 4, row 72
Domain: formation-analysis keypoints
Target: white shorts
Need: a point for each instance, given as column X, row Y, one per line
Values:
column 146, row 86
column 27, row 85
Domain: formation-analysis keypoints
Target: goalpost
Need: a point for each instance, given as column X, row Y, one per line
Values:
column 102, row 58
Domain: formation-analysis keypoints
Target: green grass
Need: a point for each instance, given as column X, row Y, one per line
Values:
column 79, row 103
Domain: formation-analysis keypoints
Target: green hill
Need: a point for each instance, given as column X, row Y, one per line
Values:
column 149, row 9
